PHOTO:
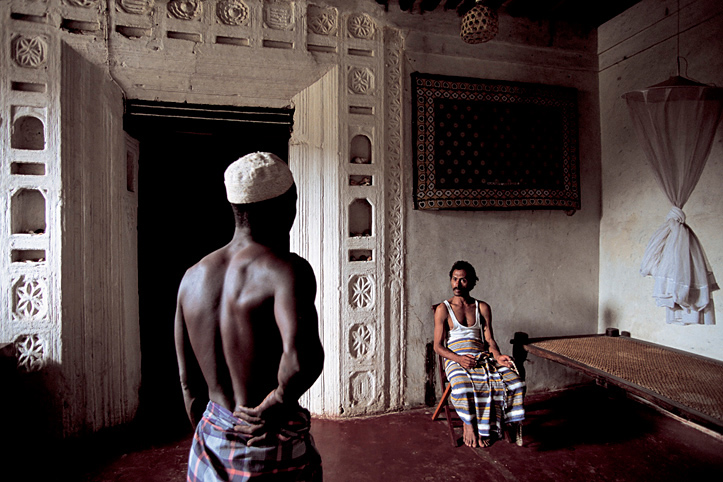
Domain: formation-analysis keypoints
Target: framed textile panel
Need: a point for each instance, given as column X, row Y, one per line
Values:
column 490, row 144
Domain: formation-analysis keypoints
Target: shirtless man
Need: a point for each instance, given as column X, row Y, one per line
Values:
column 478, row 372
column 247, row 338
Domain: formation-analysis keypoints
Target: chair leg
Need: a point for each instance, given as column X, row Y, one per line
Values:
column 442, row 402
column 518, row 434
column 513, row 433
column 448, row 414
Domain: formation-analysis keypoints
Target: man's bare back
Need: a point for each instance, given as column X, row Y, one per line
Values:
column 230, row 299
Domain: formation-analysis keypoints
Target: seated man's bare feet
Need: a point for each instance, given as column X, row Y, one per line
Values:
column 469, row 435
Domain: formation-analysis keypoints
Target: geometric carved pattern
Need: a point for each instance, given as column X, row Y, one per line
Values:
column 29, row 295
column 29, row 51
column 362, row 291
column 361, row 341
column 30, row 350
column 361, row 81
column 395, row 207
column 361, row 26
column 185, row 9
column 137, row 7
column 361, row 388
column 322, row 21
column 395, row 214
column 82, row 3
column 232, row 12
column 278, row 15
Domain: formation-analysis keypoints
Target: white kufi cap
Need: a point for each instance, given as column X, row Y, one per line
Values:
column 257, row 177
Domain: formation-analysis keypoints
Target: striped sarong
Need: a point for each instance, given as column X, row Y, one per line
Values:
column 486, row 396
column 219, row 453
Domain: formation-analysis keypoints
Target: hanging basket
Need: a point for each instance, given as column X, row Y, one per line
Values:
column 479, row 25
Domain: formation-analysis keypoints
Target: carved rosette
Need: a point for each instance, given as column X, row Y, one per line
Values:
column 29, row 295
column 137, row 7
column 279, row 15
column 361, row 389
column 361, row 289
column 361, row 26
column 29, row 52
column 30, row 351
column 361, row 81
column 185, row 9
column 233, row 12
column 322, row 21
column 82, row 3
column 361, row 341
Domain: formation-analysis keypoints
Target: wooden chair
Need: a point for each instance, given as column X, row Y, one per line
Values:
column 444, row 404
column 444, row 400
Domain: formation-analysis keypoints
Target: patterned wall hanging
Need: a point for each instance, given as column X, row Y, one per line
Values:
column 489, row 144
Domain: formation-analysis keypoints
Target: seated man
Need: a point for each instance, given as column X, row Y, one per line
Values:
column 247, row 338
column 486, row 392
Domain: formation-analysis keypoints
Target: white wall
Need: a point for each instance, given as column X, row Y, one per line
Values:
column 538, row 269
column 638, row 49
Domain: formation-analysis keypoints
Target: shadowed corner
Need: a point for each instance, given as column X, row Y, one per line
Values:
column 31, row 414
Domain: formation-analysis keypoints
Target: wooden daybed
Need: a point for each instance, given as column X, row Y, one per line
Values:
column 685, row 384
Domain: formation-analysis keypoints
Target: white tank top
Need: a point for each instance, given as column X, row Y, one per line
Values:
column 459, row 331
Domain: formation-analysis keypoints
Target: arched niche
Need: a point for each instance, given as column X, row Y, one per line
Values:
column 28, row 212
column 361, row 150
column 28, row 134
column 360, row 218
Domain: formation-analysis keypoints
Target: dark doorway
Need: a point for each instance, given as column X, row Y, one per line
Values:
column 183, row 215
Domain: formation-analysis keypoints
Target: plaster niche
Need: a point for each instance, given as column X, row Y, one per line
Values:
column 31, row 352
column 360, row 218
column 136, row 7
column 185, row 9
column 28, row 212
column 322, row 20
column 28, row 133
column 361, row 150
column 29, row 52
column 29, row 298
column 361, row 341
column 279, row 14
column 361, row 292
column 360, row 255
column 233, row 12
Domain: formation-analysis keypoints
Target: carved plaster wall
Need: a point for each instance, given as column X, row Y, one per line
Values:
column 29, row 149
column 225, row 52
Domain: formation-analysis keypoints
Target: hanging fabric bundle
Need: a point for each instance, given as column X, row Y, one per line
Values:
column 676, row 122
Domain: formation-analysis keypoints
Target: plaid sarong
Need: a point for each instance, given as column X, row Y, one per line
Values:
column 487, row 395
column 219, row 453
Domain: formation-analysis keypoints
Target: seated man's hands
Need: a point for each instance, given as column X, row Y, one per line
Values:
column 505, row 361
column 467, row 362
column 261, row 420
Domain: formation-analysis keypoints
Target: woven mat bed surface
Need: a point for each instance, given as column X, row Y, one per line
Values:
column 694, row 382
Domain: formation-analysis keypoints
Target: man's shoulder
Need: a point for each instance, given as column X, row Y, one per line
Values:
column 286, row 265
column 205, row 265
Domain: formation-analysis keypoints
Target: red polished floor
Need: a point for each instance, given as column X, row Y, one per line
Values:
column 578, row 435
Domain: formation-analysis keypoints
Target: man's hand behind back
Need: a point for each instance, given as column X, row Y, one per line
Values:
column 263, row 420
